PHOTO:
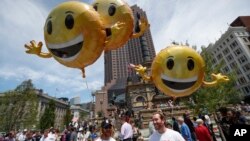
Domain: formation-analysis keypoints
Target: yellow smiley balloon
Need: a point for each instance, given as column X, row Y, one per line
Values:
column 178, row 71
column 117, row 17
column 74, row 35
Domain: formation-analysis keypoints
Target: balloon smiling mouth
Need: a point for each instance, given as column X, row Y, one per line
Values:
column 178, row 85
column 69, row 50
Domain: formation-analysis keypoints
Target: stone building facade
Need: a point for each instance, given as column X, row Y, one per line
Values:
column 60, row 111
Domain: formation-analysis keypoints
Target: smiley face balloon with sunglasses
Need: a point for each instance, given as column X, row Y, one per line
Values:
column 178, row 71
column 118, row 19
column 74, row 35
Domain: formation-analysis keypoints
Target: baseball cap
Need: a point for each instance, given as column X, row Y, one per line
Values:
column 80, row 129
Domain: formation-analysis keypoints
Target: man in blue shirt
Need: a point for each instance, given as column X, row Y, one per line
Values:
column 185, row 132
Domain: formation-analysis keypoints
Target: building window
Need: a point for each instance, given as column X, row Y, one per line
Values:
column 231, row 36
column 242, row 59
column 238, row 71
column 140, row 99
column 245, row 40
column 233, row 45
column 242, row 80
column 226, row 51
column 237, row 52
column 233, row 65
column 229, row 58
column 248, row 76
column 246, row 67
column 247, row 90
column 214, row 61
column 226, row 69
column 224, row 43
column 227, row 40
column 219, row 56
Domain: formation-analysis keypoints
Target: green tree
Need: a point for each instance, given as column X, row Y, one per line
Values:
column 83, row 115
column 48, row 118
column 67, row 117
column 19, row 107
column 211, row 98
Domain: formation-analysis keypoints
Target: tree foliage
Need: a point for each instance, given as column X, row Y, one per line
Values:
column 48, row 118
column 100, row 113
column 211, row 98
column 18, row 107
column 83, row 115
column 68, row 117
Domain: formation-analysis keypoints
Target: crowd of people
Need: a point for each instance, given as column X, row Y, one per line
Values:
column 180, row 129
column 126, row 128
column 185, row 129
column 233, row 116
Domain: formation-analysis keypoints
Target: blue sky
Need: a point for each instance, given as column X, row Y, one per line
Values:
column 198, row 21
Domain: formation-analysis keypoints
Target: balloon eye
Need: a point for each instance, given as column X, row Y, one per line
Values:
column 112, row 10
column 49, row 27
column 190, row 64
column 170, row 64
column 69, row 21
column 95, row 7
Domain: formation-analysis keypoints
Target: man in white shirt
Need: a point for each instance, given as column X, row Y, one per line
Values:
column 51, row 134
column 45, row 136
column 126, row 129
column 80, row 136
column 87, row 134
column 162, row 133
column 22, row 136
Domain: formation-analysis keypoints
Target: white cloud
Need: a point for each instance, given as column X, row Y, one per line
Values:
column 67, row 85
column 23, row 21
column 199, row 22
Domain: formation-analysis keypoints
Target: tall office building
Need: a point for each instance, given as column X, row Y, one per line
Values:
column 233, row 48
column 135, row 51
column 75, row 100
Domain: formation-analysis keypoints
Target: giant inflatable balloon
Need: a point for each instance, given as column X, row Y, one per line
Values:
column 118, row 20
column 178, row 71
column 74, row 35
